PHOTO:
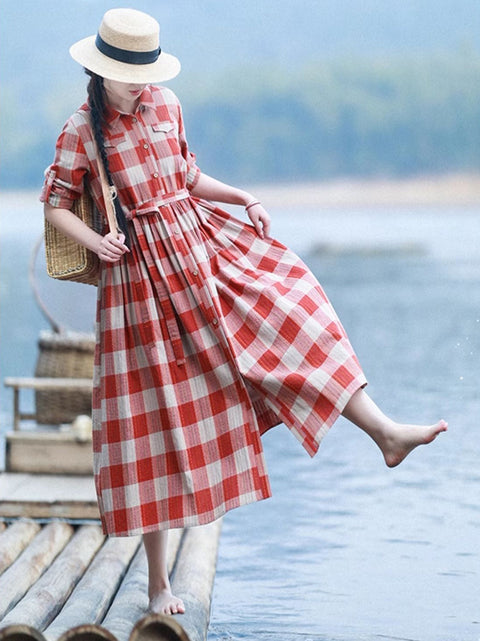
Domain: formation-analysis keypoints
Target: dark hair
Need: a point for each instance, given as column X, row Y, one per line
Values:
column 98, row 103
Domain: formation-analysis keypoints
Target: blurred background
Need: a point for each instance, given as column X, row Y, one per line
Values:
column 358, row 123
column 271, row 90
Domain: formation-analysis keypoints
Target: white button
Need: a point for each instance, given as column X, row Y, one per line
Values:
column 134, row 119
column 195, row 272
column 145, row 146
column 215, row 321
column 155, row 175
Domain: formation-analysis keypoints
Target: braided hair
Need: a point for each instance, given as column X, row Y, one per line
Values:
column 98, row 103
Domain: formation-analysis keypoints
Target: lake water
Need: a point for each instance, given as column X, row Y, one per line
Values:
column 346, row 550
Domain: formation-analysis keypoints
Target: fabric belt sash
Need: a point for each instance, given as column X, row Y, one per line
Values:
column 153, row 205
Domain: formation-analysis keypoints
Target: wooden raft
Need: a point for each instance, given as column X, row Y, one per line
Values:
column 64, row 581
column 61, row 579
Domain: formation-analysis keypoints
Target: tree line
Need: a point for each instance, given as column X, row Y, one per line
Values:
column 391, row 117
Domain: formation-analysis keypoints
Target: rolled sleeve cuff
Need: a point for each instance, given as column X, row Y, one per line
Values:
column 193, row 176
column 55, row 193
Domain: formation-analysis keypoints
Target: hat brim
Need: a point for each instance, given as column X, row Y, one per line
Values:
column 86, row 53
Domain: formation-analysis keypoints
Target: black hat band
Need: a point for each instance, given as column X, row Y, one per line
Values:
column 124, row 55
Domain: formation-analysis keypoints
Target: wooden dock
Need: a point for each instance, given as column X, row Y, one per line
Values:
column 61, row 578
column 46, row 496
column 64, row 580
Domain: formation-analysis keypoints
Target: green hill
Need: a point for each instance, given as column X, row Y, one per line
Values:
column 271, row 90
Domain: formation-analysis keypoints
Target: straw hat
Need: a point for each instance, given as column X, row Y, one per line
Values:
column 126, row 49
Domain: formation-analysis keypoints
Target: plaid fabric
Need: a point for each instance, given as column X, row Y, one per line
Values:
column 207, row 337
column 147, row 152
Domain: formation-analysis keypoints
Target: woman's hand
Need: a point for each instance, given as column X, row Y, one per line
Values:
column 259, row 218
column 112, row 248
column 211, row 189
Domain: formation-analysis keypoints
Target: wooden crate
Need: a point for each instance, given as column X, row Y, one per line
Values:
column 48, row 452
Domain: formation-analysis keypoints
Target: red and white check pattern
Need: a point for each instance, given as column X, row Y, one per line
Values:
column 207, row 336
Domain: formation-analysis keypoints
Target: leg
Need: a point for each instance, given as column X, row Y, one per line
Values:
column 160, row 594
column 395, row 440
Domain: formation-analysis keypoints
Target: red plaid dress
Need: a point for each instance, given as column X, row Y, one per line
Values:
column 207, row 335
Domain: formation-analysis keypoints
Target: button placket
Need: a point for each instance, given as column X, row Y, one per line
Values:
column 149, row 151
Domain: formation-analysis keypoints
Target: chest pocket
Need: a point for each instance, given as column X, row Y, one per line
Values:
column 164, row 139
column 117, row 145
column 115, row 141
column 161, row 130
column 164, row 126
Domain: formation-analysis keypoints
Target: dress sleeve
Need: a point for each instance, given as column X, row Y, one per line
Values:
column 193, row 172
column 64, row 178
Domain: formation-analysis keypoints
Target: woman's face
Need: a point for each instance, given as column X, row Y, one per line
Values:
column 122, row 95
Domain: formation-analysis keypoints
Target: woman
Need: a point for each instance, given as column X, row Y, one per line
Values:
column 208, row 331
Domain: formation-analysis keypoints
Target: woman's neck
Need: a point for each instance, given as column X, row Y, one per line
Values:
column 124, row 106
column 122, row 96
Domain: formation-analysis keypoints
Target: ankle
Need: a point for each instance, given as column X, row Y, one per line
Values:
column 159, row 587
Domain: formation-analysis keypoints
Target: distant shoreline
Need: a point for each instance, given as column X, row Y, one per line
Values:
column 423, row 191
column 455, row 190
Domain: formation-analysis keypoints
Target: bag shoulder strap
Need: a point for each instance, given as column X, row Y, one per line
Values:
column 108, row 191
column 109, row 195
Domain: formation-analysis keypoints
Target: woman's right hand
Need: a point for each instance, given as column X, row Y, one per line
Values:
column 112, row 248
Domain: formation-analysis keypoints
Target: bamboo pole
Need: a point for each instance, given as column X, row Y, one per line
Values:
column 192, row 581
column 14, row 540
column 30, row 565
column 49, row 594
column 87, row 632
column 131, row 600
column 193, row 578
column 20, row 632
column 91, row 598
column 114, row 580
column 158, row 627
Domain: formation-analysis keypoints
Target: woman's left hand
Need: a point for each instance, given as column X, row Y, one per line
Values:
column 260, row 219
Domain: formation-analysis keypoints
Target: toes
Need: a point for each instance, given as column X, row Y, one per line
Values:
column 167, row 607
column 179, row 608
column 174, row 608
column 166, row 603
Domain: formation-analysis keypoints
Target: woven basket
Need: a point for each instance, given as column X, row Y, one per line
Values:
column 65, row 355
column 66, row 259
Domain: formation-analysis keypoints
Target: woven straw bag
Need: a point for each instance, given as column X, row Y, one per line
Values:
column 65, row 258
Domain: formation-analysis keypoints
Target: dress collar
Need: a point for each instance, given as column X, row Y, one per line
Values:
column 146, row 102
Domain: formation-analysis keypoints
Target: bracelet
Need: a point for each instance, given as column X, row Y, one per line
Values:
column 251, row 204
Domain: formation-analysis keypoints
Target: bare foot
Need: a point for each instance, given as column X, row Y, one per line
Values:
column 402, row 439
column 164, row 602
